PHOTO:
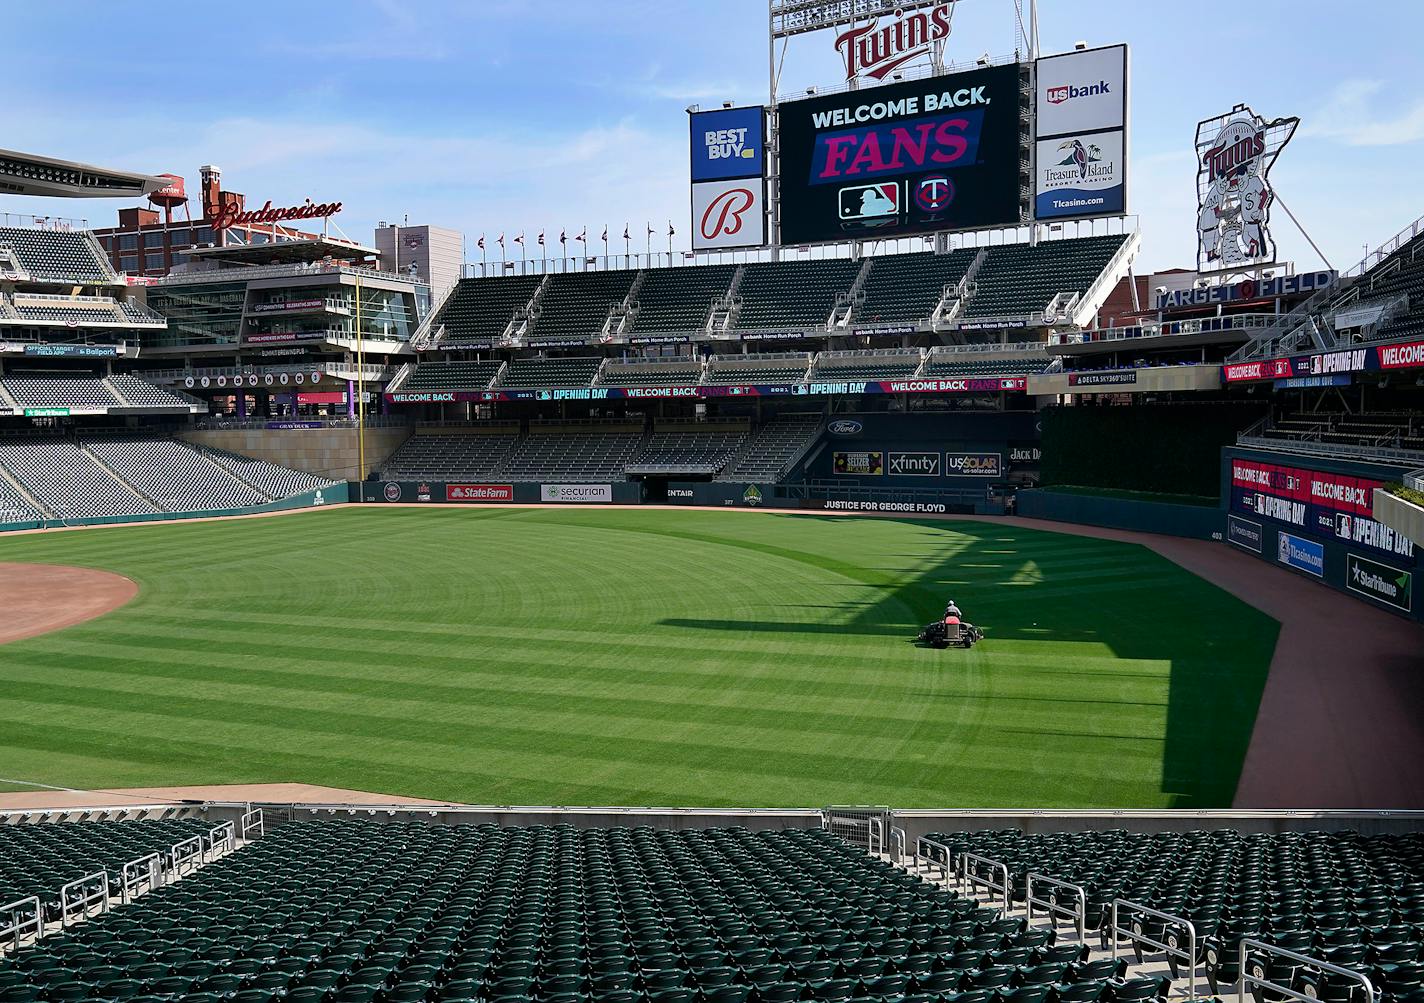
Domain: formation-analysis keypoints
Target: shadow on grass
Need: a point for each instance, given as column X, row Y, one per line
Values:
column 1135, row 604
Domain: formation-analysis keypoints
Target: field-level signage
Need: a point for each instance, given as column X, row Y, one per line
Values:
column 1303, row 555
column 576, row 493
column 1380, row 582
column 1245, row 533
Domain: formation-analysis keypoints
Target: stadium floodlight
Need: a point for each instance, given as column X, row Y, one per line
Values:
column 1080, row 45
column 727, row 104
column 32, row 174
column 984, row 60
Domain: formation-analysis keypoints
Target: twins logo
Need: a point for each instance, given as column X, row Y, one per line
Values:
column 723, row 215
column 934, row 193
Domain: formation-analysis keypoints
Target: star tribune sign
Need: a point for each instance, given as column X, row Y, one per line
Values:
column 1235, row 154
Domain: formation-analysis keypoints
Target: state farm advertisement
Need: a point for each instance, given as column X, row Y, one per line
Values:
column 479, row 492
column 1335, row 506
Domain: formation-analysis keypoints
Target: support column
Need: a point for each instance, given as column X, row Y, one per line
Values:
column 241, row 403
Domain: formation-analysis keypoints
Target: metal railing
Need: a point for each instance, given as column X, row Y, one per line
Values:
column 220, row 838
column 969, row 863
column 139, row 875
column 1052, row 906
column 1400, row 456
column 925, row 861
column 186, row 854
column 1170, row 943
column 898, row 843
column 1391, row 245
column 1414, row 480
column 83, row 895
column 252, row 822
column 1164, row 329
column 17, row 917
column 280, row 271
column 1254, row 976
column 992, row 348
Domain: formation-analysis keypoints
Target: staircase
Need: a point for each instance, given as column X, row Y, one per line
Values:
column 89, row 455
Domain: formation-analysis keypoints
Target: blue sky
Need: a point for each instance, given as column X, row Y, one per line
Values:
column 512, row 115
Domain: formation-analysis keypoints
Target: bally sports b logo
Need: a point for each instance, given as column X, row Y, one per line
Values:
column 723, row 215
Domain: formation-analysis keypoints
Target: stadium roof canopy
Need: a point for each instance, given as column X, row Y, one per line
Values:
column 283, row 252
column 31, row 174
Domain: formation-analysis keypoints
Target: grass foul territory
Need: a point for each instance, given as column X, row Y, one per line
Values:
column 636, row 657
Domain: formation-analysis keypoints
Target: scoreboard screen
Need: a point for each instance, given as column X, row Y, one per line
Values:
column 918, row 157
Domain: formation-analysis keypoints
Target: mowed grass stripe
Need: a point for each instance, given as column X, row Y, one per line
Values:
column 621, row 656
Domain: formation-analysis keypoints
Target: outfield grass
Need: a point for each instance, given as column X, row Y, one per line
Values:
column 506, row 656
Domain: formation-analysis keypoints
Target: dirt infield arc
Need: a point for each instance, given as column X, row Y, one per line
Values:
column 38, row 598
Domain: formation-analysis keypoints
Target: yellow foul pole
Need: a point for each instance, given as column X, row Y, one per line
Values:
column 360, row 388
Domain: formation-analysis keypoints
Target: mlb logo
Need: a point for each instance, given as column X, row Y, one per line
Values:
column 870, row 201
column 1057, row 95
column 1344, row 525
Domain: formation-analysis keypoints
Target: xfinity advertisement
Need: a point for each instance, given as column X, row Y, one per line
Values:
column 934, row 154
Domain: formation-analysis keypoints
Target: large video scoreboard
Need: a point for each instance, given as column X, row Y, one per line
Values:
column 919, row 157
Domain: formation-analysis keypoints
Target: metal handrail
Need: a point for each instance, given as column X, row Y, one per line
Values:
column 899, row 841
column 1249, row 981
column 223, row 835
column 279, row 271
column 946, row 868
column 1051, row 905
column 188, row 852
column 875, row 828
column 966, row 877
column 987, row 348
column 1136, row 935
column 91, row 888
column 152, row 863
column 1323, row 448
column 253, row 820
column 18, row 926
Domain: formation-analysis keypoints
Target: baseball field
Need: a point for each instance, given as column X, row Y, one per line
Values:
column 638, row 657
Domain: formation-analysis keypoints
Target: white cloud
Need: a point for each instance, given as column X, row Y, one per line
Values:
column 1348, row 116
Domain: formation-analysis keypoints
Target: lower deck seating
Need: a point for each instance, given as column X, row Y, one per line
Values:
column 593, row 454
column 1378, row 430
column 368, row 912
column 272, row 480
column 450, row 455
column 688, row 450
column 174, row 475
column 41, row 859
column 68, row 481
column 772, row 447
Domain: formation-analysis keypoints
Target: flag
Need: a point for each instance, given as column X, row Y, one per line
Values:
column 605, row 233
column 651, row 231
column 520, row 239
column 500, row 241
column 481, row 242
column 541, row 238
column 625, row 232
column 671, row 231
column 563, row 237
column 583, row 236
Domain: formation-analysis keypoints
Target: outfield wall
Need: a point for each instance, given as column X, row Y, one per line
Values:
column 1315, row 517
column 326, row 452
column 336, row 494
column 1197, row 522
column 708, row 494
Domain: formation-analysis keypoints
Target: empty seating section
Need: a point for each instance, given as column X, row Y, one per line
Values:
column 691, row 449
column 450, row 455
column 663, row 374
column 72, row 392
column 866, row 367
column 1402, row 276
column 68, row 481
column 41, row 859
column 1403, row 430
column 906, row 288
column 14, row 507
column 751, row 370
column 1354, row 900
column 450, row 376
column 680, row 299
column 272, row 480
column 963, row 364
column 139, row 314
column 57, row 255
column 174, row 475
column 1018, row 279
column 350, row 911
column 551, row 372
column 136, row 391
column 560, row 454
column 483, row 308
column 77, row 314
column 772, row 447
column 576, row 304
column 792, row 294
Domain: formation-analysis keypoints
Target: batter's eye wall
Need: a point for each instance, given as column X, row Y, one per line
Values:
column 1164, row 448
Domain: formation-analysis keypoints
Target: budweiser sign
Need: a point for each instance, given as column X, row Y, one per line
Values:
column 233, row 215
column 875, row 49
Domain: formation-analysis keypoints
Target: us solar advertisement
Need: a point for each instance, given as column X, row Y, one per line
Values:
column 917, row 157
